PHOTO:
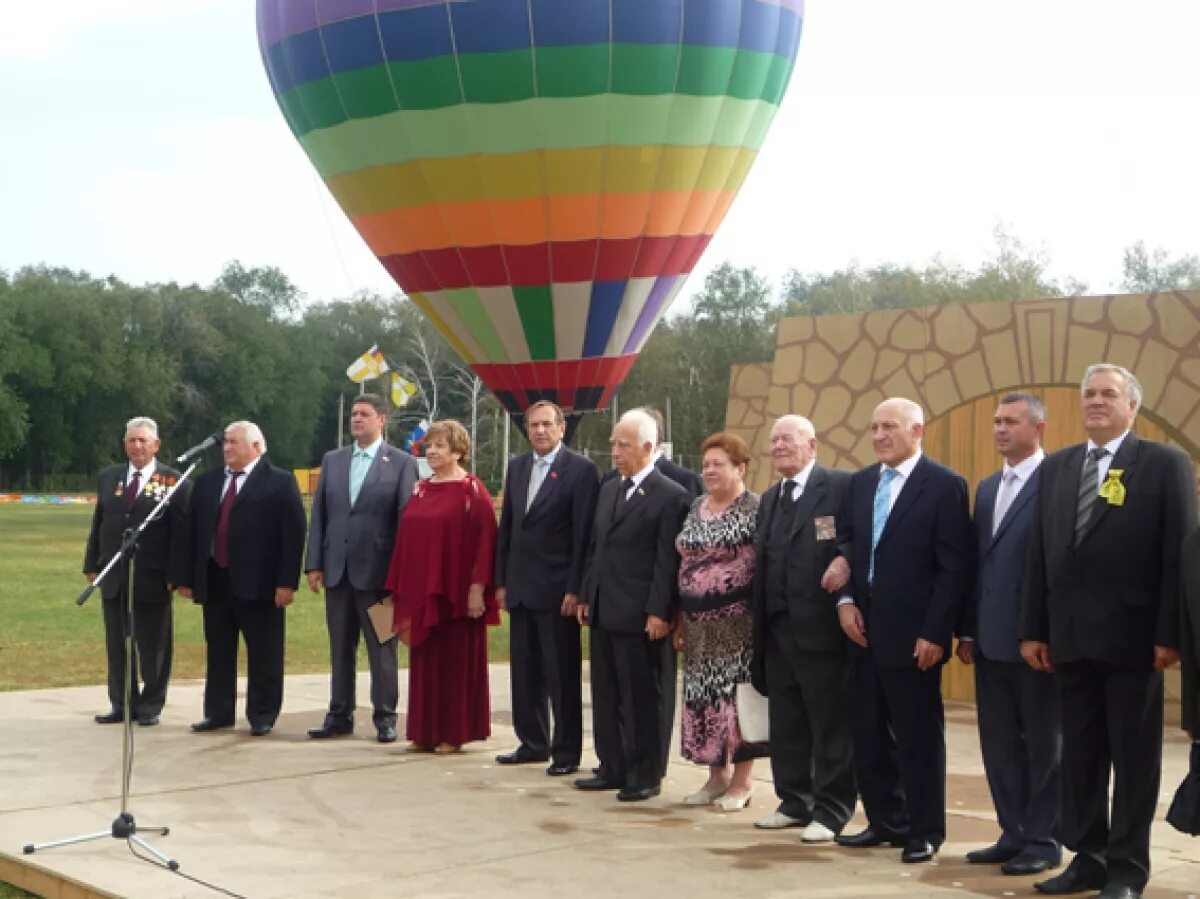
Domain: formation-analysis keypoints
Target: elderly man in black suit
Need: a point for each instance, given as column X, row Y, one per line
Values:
column 1101, row 610
column 1020, row 732
column 630, row 597
column 125, row 495
column 361, row 494
column 545, row 527
column 906, row 534
column 684, row 477
column 246, row 543
column 801, row 658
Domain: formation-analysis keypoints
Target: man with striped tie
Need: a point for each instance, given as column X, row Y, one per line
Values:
column 1100, row 609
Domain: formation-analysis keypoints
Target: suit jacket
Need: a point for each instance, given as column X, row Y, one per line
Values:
column 1189, row 642
column 999, row 570
column 633, row 565
column 266, row 534
column 812, row 609
column 684, row 477
column 540, row 553
column 355, row 542
column 1115, row 596
column 922, row 563
column 160, row 548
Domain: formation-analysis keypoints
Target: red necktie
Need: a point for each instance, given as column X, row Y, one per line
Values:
column 131, row 490
column 221, row 537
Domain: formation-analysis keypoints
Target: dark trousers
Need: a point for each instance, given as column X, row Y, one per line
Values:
column 153, row 644
column 630, row 702
column 544, row 668
column 900, row 748
column 346, row 618
column 1112, row 718
column 812, row 758
column 1020, row 735
column 261, row 624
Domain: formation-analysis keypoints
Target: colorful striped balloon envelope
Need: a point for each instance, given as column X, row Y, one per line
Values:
column 539, row 176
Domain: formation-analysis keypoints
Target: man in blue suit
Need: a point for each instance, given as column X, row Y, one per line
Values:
column 1020, row 730
column 906, row 536
column 545, row 529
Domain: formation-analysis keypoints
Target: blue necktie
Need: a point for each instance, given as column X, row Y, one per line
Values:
column 879, row 513
column 360, row 464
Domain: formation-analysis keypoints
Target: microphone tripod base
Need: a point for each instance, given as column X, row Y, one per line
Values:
column 124, row 827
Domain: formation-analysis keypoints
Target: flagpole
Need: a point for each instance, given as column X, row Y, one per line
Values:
column 504, row 454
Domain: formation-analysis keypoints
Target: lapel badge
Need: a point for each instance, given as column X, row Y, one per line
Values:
column 554, row 475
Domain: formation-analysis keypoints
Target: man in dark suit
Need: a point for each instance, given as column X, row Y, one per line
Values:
column 361, row 493
column 1101, row 609
column 246, row 542
column 545, row 527
column 630, row 596
column 801, row 658
column 906, row 534
column 1020, row 731
column 125, row 495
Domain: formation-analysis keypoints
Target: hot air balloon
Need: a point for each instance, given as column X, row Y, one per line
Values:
column 538, row 176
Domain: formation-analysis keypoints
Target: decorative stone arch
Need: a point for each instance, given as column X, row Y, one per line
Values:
column 835, row 369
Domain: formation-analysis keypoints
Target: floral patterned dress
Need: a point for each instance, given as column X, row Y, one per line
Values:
column 716, row 578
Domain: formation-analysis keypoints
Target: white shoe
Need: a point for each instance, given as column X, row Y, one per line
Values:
column 777, row 821
column 729, row 803
column 816, row 832
column 704, row 796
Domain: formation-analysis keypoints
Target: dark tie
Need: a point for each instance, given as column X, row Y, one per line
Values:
column 787, row 494
column 131, row 490
column 623, row 493
column 221, row 537
column 1089, row 490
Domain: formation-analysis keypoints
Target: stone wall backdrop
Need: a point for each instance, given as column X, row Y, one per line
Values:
column 957, row 361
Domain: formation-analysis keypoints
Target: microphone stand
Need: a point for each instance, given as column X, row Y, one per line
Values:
column 124, row 827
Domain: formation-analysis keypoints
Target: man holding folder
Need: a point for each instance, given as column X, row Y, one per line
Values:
column 361, row 493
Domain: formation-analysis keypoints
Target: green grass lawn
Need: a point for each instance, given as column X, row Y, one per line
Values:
column 48, row 641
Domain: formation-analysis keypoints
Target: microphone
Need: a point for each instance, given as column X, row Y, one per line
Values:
column 210, row 441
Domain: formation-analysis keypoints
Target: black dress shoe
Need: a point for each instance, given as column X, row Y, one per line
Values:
column 520, row 756
column 206, row 724
column 993, row 855
column 148, row 720
column 596, row 783
column 112, row 716
column 1072, row 880
column 1023, row 865
column 325, row 731
column 1118, row 891
column 916, row 851
column 386, row 734
column 557, row 770
column 259, row 730
column 637, row 794
column 869, row 838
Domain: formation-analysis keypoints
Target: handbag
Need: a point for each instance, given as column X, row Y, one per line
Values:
column 1184, row 814
column 751, row 714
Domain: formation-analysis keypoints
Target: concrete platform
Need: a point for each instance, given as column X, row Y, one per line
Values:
column 284, row 816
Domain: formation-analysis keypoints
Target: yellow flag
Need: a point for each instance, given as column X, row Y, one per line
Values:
column 402, row 391
column 367, row 366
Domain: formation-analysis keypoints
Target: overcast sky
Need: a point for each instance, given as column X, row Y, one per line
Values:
column 141, row 139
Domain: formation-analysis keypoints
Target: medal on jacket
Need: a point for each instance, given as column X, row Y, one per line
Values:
column 1112, row 489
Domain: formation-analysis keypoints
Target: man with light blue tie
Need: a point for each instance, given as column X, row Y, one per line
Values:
column 361, row 493
column 905, row 536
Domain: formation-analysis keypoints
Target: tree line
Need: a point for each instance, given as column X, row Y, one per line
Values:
column 79, row 355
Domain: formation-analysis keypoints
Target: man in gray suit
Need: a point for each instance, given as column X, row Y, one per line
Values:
column 1020, row 731
column 361, row 493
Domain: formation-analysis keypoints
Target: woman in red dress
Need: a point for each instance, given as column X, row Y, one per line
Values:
column 442, row 585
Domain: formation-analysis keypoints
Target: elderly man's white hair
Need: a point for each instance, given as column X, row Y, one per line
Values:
column 1133, row 387
column 252, row 432
column 142, row 421
column 647, row 427
column 799, row 422
column 913, row 412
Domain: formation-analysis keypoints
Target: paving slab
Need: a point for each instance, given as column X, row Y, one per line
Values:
column 285, row 816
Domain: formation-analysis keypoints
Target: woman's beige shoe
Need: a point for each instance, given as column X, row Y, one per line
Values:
column 706, row 795
column 729, row 803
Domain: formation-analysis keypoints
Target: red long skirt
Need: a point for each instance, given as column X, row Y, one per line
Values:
column 448, row 700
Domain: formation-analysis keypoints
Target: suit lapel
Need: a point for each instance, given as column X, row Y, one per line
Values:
column 813, row 491
column 1024, row 495
column 549, row 483
column 605, row 503
column 254, row 479
column 985, row 508
column 909, row 491
column 641, row 494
